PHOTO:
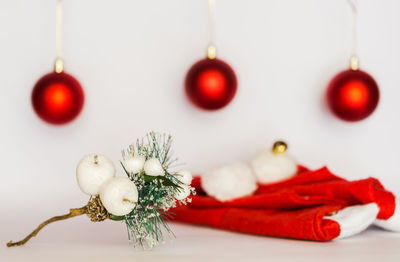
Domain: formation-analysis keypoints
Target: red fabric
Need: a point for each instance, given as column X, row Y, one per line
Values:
column 293, row 208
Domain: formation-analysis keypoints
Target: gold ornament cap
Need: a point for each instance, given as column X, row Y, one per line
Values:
column 211, row 52
column 59, row 65
column 279, row 147
column 354, row 63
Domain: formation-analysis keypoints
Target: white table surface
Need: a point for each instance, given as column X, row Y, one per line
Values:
column 78, row 239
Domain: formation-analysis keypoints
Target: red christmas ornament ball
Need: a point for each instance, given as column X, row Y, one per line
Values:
column 352, row 95
column 57, row 98
column 210, row 84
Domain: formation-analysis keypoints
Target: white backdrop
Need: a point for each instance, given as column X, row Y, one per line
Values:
column 131, row 58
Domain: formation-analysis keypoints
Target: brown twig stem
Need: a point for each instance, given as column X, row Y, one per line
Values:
column 72, row 213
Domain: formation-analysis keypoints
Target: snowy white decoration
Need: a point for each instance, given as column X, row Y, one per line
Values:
column 153, row 167
column 269, row 167
column 183, row 192
column 134, row 164
column 92, row 171
column 119, row 196
column 184, row 176
column 229, row 182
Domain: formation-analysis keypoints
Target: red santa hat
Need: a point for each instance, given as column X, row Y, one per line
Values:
column 313, row 205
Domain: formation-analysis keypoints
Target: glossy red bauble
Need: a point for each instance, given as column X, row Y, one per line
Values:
column 352, row 95
column 57, row 98
column 210, row 84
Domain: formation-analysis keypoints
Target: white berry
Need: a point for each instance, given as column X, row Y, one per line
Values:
column 183, row 192
column 153, row 167
column 134, row 164
column 184, row 176
column 92, row 171
column 269, row 167
column 119, row 196
column 229, row 182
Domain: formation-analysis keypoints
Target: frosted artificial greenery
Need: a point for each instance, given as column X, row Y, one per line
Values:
column 146, row 223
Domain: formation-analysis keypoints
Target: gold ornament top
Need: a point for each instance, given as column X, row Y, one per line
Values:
column 211, row 52
column 354, row 63
column 59, row 66
column 279, row 147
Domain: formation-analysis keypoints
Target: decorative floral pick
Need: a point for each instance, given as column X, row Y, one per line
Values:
column 141, row 200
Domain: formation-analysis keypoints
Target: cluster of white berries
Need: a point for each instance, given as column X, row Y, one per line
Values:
column 152, row 167
column 185, row 177
column 96, row 176
column 239, row 179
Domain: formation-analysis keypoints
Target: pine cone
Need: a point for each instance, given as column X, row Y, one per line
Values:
column 96, row 211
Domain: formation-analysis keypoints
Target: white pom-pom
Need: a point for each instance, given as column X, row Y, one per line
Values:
column 119, row 196
column 153, row 167
column 184, row 176
column 92, row 171
column 134, row 164
column 229, row 182
column 269, row 167
column 183, row 192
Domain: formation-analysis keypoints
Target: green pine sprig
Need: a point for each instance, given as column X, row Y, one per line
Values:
column 147, row 222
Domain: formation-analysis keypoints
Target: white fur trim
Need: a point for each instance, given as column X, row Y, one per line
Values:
column 393, row 223
column 354, row 219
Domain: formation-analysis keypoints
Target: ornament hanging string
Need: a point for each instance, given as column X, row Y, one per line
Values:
column 211, row 50
column 353, row 95
column 354, row 58
column 210, row 83
column 58, row 97
column 59, row 64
